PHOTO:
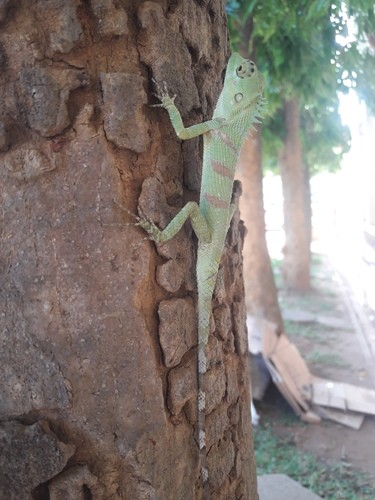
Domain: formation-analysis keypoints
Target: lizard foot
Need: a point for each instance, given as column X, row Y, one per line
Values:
column 142, row 221
column 162, row 94
column 145, row 223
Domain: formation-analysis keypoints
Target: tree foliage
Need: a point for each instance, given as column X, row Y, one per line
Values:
column 324, row 138
column 305, row 50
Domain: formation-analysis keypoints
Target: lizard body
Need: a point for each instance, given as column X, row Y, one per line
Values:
column 238, row 107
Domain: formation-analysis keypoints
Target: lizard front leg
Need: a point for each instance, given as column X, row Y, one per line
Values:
column 183, row 132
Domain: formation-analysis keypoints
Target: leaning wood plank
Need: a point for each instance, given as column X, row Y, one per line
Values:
column 288, row 362
column 302, row 410
column 343, row 396
column 352, row 420
column 271, row 347
column 278, row 381
column 293, row 369
column 289, row 371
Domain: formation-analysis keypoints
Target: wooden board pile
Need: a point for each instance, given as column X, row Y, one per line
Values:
column 312, row 398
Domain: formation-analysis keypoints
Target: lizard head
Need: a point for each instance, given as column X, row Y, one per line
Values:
column 243, row 85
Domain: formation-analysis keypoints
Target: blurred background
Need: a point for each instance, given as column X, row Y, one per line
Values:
column 308, row 177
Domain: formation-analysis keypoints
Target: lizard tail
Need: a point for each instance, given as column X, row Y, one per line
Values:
column 204, row 306
column 207, row 265
column 202, row 362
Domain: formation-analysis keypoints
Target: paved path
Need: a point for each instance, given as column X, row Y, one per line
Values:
column 282, row 487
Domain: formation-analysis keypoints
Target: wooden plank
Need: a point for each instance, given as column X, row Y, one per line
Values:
column 278, row 381
column 289, row 372
column 293, row 370
column 352, row 420
column 300, row 388
column 343, row 396
column 288, row 361
column 305, row 413
column 290, row 366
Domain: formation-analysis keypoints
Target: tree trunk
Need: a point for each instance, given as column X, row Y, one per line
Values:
column 260, row 287
column 98, row 326
column 296, row 265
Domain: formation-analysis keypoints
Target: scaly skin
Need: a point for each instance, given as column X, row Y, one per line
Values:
column 239, row 106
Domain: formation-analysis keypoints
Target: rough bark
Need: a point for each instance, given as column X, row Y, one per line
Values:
column 98, row 357
column 260, row 287
column 296, row 264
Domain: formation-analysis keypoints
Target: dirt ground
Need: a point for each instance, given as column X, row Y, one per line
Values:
column 324, row 325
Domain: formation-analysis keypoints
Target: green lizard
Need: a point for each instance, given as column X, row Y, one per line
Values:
column 239, row 106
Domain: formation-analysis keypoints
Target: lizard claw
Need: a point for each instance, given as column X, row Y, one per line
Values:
column 142, row 221
column 163, row 95
column 145, row 223
column 129, row 212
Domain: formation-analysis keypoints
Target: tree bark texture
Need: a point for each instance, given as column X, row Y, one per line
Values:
column 296, row 265
column 98, row 325
column 260, row 287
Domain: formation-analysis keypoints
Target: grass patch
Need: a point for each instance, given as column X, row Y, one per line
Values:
column 312, row 301
column 333, row 482
column 324, row 358
column 311, row 331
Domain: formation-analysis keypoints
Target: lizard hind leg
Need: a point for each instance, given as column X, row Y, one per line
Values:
column 189, row 211
column 138, row 222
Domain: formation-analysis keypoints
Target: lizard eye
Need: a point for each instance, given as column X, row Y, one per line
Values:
column 238, row 97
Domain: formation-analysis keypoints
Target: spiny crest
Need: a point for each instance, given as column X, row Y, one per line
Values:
column 243, row 125
column 245, row 120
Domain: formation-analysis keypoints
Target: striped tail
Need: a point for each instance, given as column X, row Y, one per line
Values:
column 202, row 363
column 207, row 268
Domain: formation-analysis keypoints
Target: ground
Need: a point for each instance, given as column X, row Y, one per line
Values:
column 324, row 325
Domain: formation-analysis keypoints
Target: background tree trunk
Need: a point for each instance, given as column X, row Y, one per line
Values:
column 98, row 326
column 296, row 265
column 260, row 287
